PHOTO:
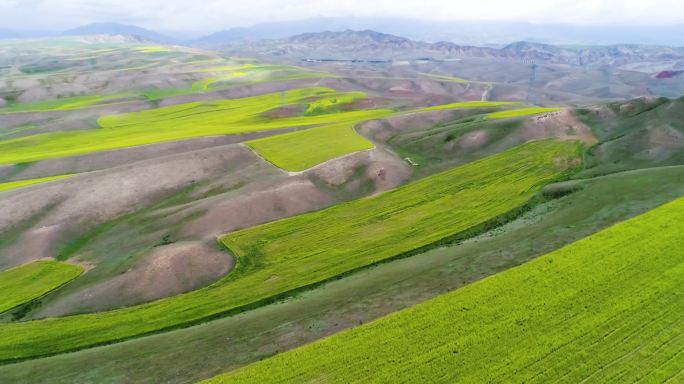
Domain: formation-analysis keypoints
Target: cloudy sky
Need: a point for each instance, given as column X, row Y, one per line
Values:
column 210, row 15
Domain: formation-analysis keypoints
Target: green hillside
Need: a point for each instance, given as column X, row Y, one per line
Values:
column 607, row 308
column 308, row 249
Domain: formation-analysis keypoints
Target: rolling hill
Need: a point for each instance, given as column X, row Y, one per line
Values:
column 347, row 206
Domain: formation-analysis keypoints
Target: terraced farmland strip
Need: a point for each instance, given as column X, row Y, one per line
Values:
column 152, row 49
column 225, row 68
column 26, row 282
column 453, row 79
column 63, row 104
column 203, row 85
column 277, row 259
column 522, row 112
column 22, row 183
column 253, row 74
column 228, row 110
column 608, row 308
column 300, row 150
column 333, row 103
column 467, row 104
column 201, row 351
column 176, row 123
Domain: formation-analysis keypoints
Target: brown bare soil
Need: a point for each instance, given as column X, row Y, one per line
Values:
column 90, row 199
column 167, row 270
column 561, row 124
column 231, row 188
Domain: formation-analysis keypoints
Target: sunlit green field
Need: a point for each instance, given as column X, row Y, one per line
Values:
column 453, row 79
column 176, row 123
column 333, row 103
column 152, row 49
column 297, row 151
column 26, row 282
column 22, row 183
column 63, row 104
column 252, row 73
column 522, row 112
column 607, row 308
column 282, row 257
column 301, row 150
column 469, row 104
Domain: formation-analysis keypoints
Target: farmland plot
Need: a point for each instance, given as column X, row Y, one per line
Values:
column 607, row 308
column 277, row 259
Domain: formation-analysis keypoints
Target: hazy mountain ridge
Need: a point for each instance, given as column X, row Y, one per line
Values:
column 463, row 32
column 368, row 44
column 478, row 33
column 117, row 29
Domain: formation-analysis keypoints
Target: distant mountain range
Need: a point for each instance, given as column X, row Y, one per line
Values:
column 372, row 45
column 474, row 33
column 480, row 33
column 118, row 29
column 93, row 29
column 276, row 39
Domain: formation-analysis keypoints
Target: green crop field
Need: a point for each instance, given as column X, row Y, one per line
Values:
column 217, row 112
column 300, row 150
column 176, row 123
column 333, row 103
column 278, row 258
column 152, row 49
column 63, row 104
column 522, row 112
column 158, row 94
column 22, row 183
column 467, row 104
column 201, row 351
column 607, row 308
column 26, row 282
column 223, row 117
column 225, row 68
column 203, row 85
column 252, row 73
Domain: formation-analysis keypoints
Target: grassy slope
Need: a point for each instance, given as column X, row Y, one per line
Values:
column 606, row 308
column 635, row 134
column 300, row 150
column 430, row 209
column 439, row 145
column 202, row 351
column 368, row 230
column 232, row 116
column 22, row 183
column 26, row 282
column 175, row 123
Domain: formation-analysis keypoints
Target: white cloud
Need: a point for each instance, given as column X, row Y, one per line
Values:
column 7, row 3
column 209, row 15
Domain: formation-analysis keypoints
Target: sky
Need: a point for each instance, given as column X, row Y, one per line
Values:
column 206, row 16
